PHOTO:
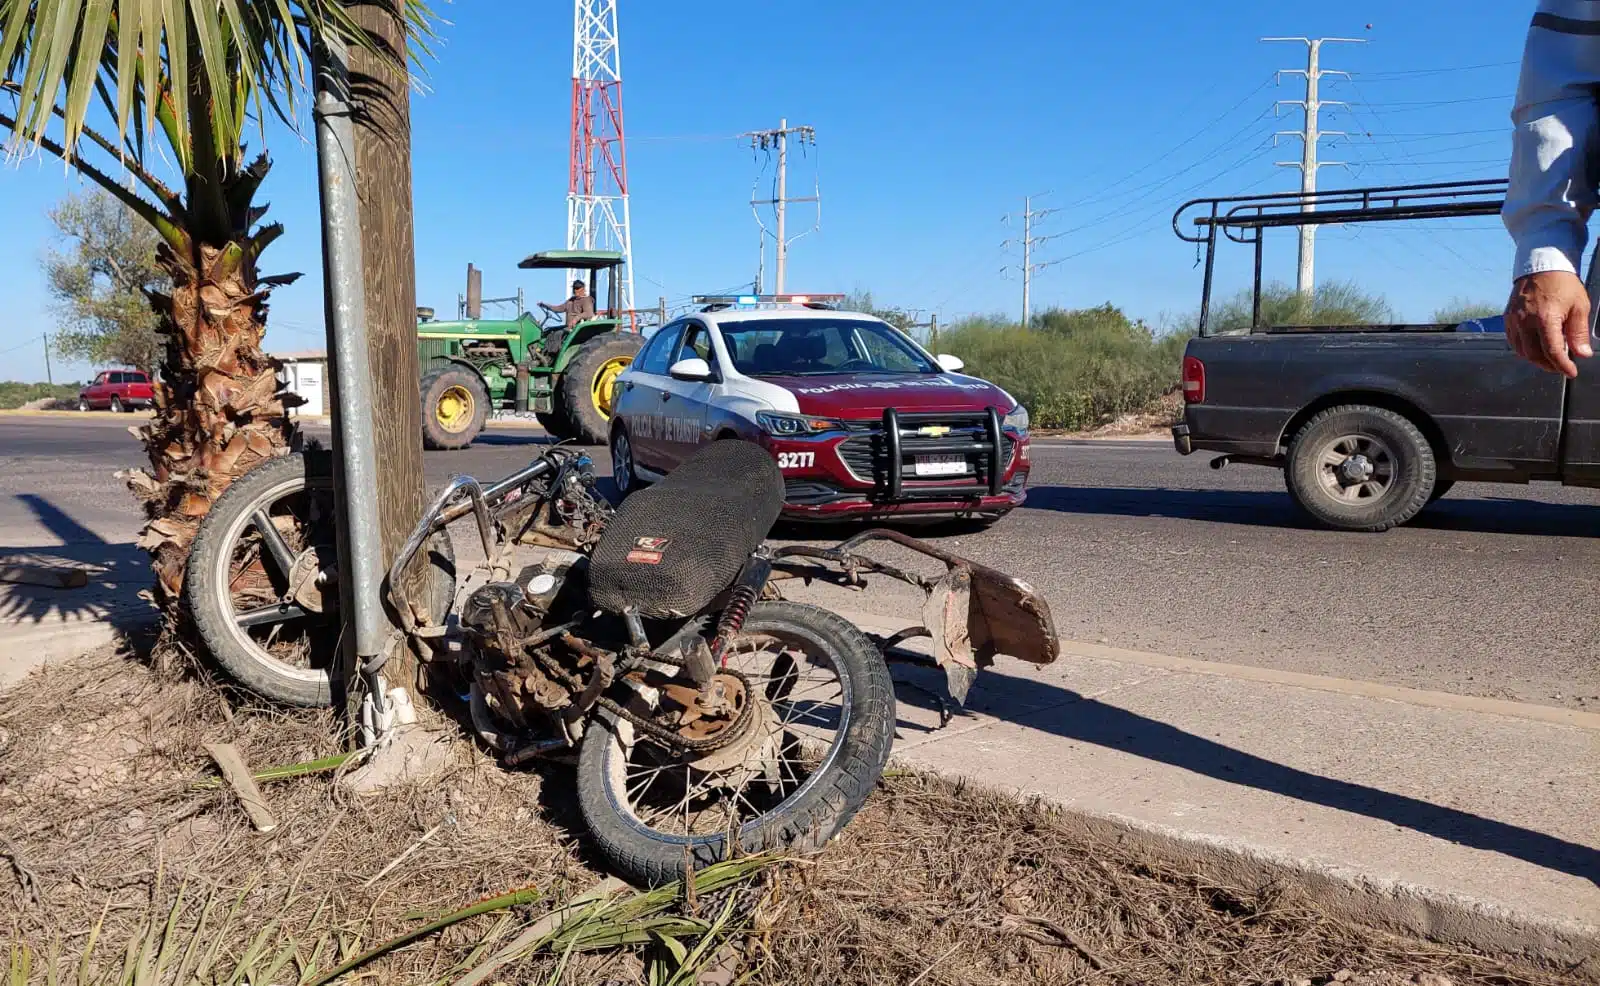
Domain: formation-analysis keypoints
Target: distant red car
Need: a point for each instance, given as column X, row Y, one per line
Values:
column 117, row 390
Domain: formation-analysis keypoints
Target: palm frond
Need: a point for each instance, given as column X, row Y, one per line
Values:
column 189, row 71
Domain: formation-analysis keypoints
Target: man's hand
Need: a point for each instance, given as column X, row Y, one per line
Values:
column 1547, row 318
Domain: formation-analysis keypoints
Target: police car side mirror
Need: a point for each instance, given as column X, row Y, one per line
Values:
column 951, row 363
column 693, row 368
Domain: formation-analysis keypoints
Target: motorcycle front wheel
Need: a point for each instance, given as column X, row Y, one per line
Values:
column 823, row 723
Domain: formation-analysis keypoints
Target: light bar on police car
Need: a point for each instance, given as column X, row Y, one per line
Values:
column 758, row 299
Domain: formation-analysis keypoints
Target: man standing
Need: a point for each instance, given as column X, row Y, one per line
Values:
column 1554, row 179
column 578, row 308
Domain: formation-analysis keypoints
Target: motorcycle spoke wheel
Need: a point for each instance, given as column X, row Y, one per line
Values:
column 798, row 719
column 814, row 732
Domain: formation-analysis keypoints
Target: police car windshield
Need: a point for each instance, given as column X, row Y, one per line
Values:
column 809, row 347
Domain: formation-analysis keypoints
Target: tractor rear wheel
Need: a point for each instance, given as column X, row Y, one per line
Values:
column 552, row 422
column 587, row 390
column 455, row 405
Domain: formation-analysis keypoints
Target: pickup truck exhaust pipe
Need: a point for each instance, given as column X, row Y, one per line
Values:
column 1220, row 461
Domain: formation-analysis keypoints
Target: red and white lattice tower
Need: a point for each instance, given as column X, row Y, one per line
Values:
column 597, row 186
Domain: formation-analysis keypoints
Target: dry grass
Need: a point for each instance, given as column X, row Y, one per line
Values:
column 106, row 832
column 939, row 884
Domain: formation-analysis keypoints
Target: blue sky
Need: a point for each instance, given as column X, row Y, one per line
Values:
column 933, row 119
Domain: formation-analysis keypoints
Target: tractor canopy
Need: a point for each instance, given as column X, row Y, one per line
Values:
column 572, row 260
column 593, row 261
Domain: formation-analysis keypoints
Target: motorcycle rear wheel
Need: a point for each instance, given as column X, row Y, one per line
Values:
column 828, row 707
column 272, row 526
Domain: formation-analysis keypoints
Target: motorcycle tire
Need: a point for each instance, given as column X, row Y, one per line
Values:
column 807, row 817
column 212, row 584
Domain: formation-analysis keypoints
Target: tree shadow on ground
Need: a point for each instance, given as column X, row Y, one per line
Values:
column 116, row 572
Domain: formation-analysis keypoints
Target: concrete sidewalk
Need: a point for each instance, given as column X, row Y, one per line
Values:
column 39, row 624
column 1459, row 818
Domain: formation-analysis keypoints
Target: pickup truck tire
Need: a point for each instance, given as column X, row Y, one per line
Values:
column 1440, row 488
column 1360, row 468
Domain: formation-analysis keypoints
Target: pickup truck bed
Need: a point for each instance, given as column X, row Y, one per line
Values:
column 1460, row 400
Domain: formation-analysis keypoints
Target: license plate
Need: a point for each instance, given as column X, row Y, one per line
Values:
column 940, row 465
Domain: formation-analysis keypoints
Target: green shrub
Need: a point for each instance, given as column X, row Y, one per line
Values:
column 14, row 394
column 1461, row 310
column 1076, row 368
column 1332, row 303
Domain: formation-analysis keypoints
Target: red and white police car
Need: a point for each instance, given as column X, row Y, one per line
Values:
column 862, row 420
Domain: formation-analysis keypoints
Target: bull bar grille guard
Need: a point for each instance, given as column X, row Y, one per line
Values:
column 900, row 437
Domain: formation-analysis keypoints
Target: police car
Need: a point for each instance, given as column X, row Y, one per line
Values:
column 862, row 421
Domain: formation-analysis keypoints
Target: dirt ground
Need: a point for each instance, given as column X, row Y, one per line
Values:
column 107, row 835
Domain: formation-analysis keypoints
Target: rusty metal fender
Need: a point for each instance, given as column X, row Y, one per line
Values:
column 972, row 613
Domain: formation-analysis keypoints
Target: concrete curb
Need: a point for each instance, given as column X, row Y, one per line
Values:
column 19, row 412
column 29, row 646
column 1343, row 890
column 1341, row 893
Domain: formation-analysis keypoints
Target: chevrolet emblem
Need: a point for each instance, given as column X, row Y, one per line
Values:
column 934, row 431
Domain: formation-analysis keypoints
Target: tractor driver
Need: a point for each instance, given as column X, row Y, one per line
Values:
column 578, row 308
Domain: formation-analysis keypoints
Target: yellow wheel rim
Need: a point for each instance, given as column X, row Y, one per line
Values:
column 604, row 388
column 455, row 409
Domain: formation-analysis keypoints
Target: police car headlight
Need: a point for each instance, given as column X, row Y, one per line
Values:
column 1017, row 419
column 794, row 425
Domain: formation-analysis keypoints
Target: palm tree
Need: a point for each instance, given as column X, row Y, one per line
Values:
column 173, row 86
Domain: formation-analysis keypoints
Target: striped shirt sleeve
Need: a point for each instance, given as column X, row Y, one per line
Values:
column 1557, row 124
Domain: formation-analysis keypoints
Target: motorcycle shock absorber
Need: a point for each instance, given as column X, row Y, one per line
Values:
column 746, row 589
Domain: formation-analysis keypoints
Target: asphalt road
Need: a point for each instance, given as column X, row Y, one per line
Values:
column 1493, row 591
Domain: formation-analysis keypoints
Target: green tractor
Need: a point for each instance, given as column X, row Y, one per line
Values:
column 567, row 378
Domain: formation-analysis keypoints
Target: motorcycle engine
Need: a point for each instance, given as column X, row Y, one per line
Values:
column 500, row 619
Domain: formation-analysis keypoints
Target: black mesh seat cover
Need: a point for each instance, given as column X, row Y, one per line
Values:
column 673, row 546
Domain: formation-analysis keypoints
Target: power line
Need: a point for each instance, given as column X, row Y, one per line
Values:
column 1099, row 195
column 1384, row 128
column 1420, row 72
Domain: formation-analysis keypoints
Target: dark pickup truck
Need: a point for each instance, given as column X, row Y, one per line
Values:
column 1372, row 423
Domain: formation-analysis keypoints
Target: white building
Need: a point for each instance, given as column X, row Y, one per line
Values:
column 306, row 373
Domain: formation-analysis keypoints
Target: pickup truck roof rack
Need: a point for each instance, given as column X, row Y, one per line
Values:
column 1244, row 218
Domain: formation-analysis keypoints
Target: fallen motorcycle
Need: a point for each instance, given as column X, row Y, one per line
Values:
column 705, row 711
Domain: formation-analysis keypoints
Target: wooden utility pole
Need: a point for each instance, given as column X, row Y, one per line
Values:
column 383, row 184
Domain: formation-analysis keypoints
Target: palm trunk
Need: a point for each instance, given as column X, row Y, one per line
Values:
column 219, row 409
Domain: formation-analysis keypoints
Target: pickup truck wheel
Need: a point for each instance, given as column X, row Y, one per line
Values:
column 1360, row 468
column 1440, row 488
column 116, row 404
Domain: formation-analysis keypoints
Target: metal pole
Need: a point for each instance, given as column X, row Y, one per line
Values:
column 1306, row 281
column 47, row 377
column 1027, row 255
column 352, row 417
column 783, row 193
column 661, row 310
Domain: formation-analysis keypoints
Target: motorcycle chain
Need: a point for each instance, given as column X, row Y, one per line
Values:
column 657, row 732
